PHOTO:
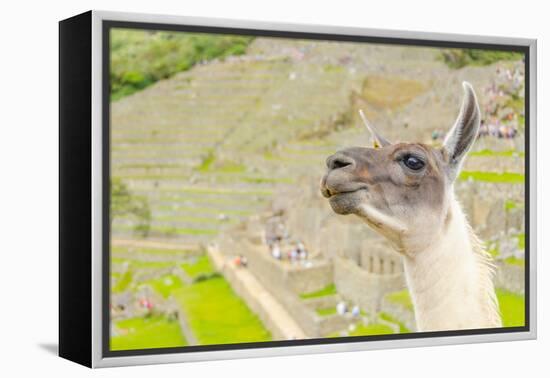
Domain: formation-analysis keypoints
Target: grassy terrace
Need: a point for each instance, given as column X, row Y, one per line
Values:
column 371, row 329
column 201, row 266
column 327, row 290
column 326, row 311
column 504, row 177
column 165, row 285
column 148, row 332
column 512, row 306
column 367, row 330
column 218, row 316
column 492, row 153
column 389, row 318
column 401, row 297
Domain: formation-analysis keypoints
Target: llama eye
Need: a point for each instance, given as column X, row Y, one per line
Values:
column 413, row 163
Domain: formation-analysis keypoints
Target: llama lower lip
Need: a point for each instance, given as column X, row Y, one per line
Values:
column 347, row 192
column 347, row 202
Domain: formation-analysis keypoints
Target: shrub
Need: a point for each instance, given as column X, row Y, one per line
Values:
column 458, row 58
column 126, row 204
column 140, row 58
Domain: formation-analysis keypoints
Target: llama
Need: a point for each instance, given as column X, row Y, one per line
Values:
column 405, row 192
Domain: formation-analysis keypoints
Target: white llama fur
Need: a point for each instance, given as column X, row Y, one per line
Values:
column 451, row 282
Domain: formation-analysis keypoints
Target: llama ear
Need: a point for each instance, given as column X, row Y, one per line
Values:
column 377, row 138
column 464, row 132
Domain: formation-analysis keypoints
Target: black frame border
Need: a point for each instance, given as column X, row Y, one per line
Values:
column 107, row 25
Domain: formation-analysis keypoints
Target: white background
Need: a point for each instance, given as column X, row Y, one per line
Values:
column 29, row 190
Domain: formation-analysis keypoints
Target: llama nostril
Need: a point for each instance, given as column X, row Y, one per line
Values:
column 339, row 161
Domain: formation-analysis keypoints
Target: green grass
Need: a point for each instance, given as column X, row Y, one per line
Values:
column 267, row 180
column 169, row 230
column 326, row 311
column 389, row 318
column 123, row 283
column 140, row 264
column 327, row 290
column 512, row 260
column 148, row 332
column 148, row 250
column 217, row 316
column 140, row 58
column 371, row 329
column 511, row 205
column 521, row 241
column 492, row 153
column 201, row 266
column 505, row 177
column 401, row 297
column 203, row 210
column 512, row 308
column 165, row 285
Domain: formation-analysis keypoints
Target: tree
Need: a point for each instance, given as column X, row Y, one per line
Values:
column 125, row 204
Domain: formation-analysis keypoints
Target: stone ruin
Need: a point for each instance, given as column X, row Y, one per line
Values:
column 343, row 251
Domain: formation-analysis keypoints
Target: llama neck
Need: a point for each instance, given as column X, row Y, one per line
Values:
column 451, row 281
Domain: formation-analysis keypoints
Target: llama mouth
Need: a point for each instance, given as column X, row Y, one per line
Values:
column 347, row 202
column 330, row 194
column 331, row 188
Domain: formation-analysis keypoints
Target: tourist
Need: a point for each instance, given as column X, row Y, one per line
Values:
column 355, row 311
column 276, row 251
column 293, row 255
column 341, row 308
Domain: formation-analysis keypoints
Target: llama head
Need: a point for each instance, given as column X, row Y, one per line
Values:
column 402, row 190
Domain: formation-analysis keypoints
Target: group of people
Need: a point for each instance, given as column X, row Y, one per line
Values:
column 342, row 309
column 276, row 235
column 240, row 261
column 500, row 119
column 297, row 253
column 495, row 128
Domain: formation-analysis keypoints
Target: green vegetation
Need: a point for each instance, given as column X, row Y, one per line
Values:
column 511, row 205
column 126, row 204
column 504, row 177
column 165, row 285
column 371, row 329
column 206, row 162
column 512, row 308
column 401, row 297
column 458, row 58
column 521, row 241
column 170, row 230
column 326, row 311
column 123, row 282
column 327, row 290
column 201, row 266
column 512, row 260
column 492, row 153
column 140, row 264
column 147, row 332
column 391, row 319
column 218, row 316
column 140, row 58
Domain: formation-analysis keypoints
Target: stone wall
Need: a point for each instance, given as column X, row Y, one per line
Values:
column 485, row 206
column 364, row 288
column 510, row 277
